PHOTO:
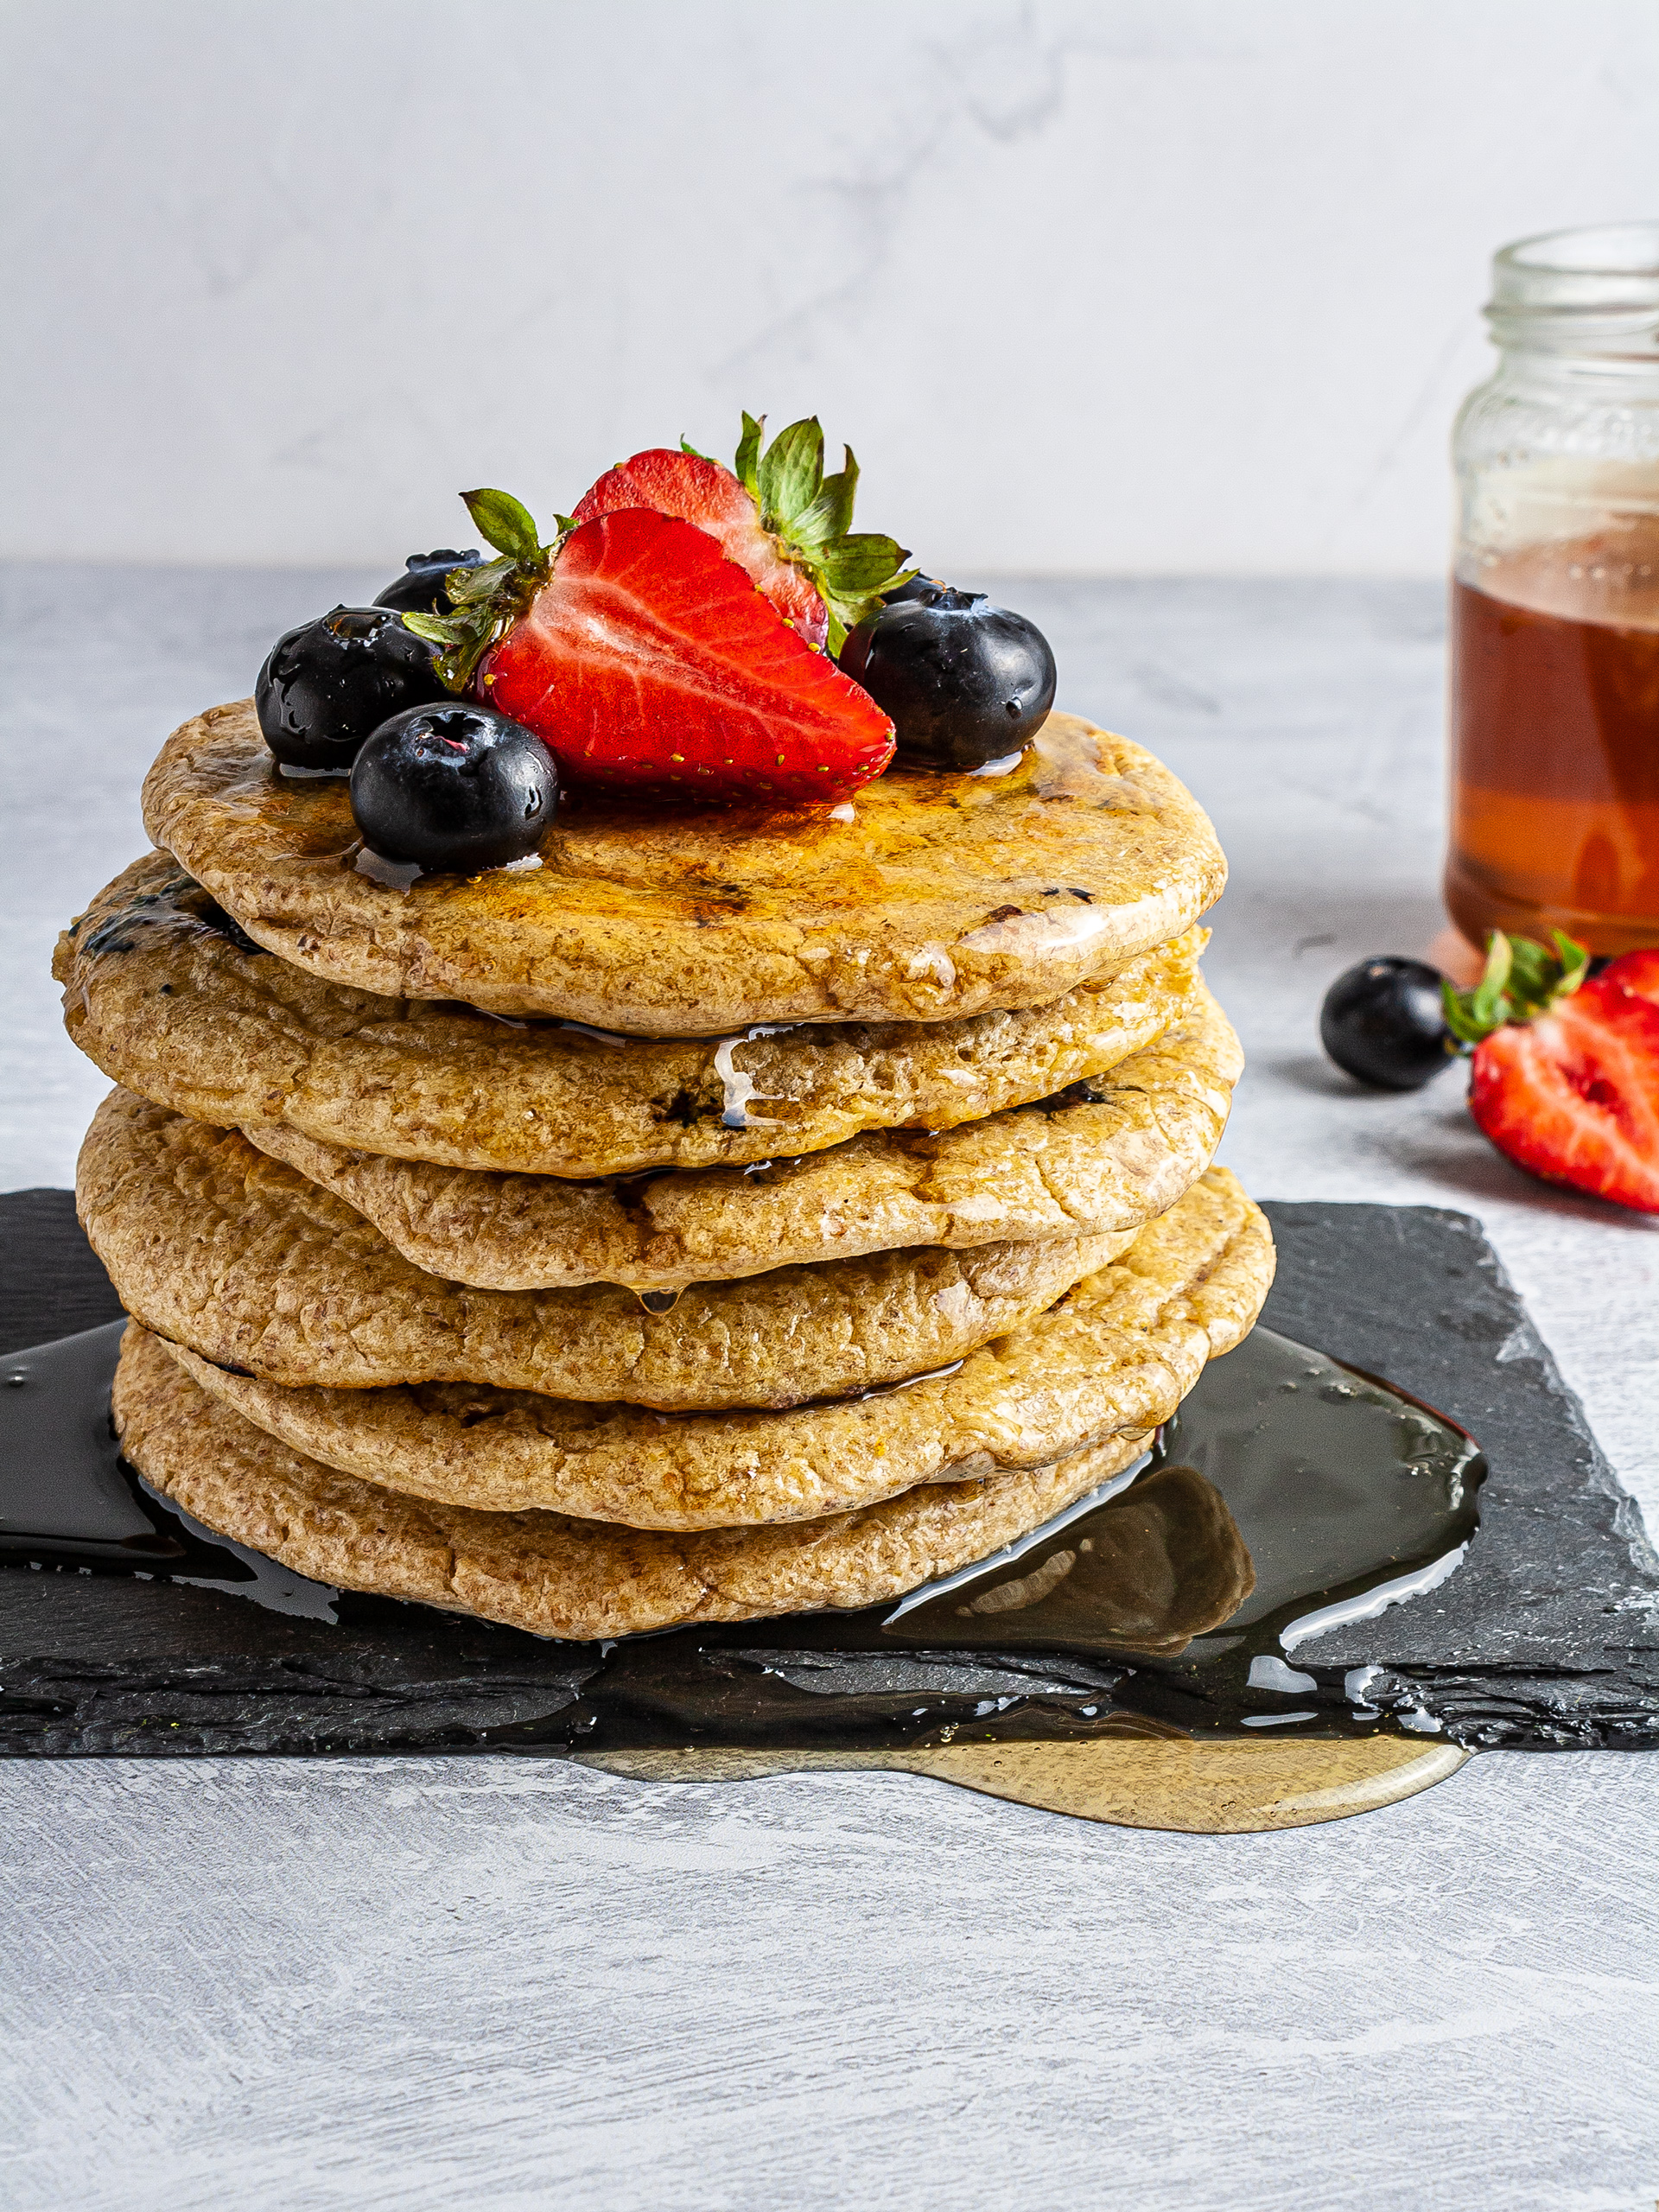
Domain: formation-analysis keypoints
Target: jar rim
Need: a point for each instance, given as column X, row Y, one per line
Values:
column 1608, row 253
column 1592, row 292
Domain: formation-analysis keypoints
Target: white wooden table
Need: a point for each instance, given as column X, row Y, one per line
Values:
column 422, row 1983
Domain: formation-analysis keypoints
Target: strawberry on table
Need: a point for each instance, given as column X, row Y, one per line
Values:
column 1566, row 1065
column 645, row 658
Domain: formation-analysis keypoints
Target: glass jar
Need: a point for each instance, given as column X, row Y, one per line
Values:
column 1555, row 600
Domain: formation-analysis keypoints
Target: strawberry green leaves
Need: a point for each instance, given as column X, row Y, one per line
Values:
column 792, row 533
column 504, row 523
column 789, row 474
column 748, row 463
column 809, row 515
column 488, row 600
column 829, row 516
column 1522, row 981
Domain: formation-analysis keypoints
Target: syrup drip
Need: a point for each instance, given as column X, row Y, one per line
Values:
column 739, row 1088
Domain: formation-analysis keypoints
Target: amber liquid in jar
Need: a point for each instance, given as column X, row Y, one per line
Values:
column 1555, row 743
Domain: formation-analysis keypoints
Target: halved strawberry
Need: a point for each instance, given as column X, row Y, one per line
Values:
column 648, row 659
column 1566, row 1072
column 780, row 517
column 702, row 492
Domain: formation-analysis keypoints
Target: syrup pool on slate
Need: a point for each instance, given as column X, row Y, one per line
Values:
column 1288, row 1495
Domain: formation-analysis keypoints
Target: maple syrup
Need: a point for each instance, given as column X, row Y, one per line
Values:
column 1555, row 743
column 1289, row 1494
column 1555, row 600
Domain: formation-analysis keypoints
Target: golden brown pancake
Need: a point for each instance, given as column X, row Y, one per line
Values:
column 544, row 1571
column 214, row 1245
column 1101, row 1157
column 1117, row 1354
column 1105, row 1156
column 165, row 993
column 942, row 896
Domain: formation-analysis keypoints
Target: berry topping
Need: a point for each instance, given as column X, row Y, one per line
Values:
column 966, row 683
column 1383, row 1022
column 327, row 684
column 649, row 660
column 1566, row 1072
column 924, row 587
column 455, row 788
column 780, row 517
column 486, row 601
column 421, row 589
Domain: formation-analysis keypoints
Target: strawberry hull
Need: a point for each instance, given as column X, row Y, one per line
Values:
column 650, row 662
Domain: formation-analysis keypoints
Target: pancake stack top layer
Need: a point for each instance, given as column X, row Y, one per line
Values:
column 731, row 1212
column 942, row 897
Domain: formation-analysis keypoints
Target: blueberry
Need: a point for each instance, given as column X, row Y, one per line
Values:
column 966, row 683
column 420, row 590
column 454, row 788
column 326, row 685
column 923, row 587
column 1383, row 1022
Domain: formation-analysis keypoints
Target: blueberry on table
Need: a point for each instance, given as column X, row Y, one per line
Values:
column 420, row 589
column 966, row 683
column 1383, row 1023
column 453, row 788
column 327, row 684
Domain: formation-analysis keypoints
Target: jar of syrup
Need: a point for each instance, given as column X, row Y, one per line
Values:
column 1555, row 601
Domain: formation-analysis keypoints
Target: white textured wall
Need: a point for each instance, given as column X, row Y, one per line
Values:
column 1092, row 285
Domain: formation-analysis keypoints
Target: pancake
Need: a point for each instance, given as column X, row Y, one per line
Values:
column 943, row 896
column 544, row 1572
column 1116, row 1354
column 165, row 993
column 1099, row 1158
column 1104, row 1156
column 213, row 1244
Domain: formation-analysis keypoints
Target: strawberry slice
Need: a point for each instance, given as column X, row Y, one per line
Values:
column 700, row 491
column 649, row 660
column 1565, row 1079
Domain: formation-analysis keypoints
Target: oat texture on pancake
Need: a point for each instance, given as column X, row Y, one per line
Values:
column 940, row 896
column 1116, row 1354
column 1097, row 1157
column 211, row 1242
column 548, row 1573
column 659, row 1078
column 175, row 1002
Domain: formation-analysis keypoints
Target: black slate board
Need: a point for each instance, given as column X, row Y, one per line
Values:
column 1550, row 1632
column 1548, row 1637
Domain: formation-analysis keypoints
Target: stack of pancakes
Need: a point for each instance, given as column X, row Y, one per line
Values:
column 727, row 1215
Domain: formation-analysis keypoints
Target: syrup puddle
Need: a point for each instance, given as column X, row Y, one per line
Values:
column 1289, row 1494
